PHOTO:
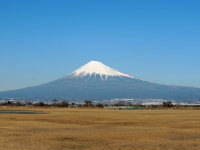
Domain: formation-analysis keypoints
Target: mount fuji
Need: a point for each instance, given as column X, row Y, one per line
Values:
column 96, row 81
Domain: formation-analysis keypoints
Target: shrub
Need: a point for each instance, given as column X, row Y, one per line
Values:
column 167, row 104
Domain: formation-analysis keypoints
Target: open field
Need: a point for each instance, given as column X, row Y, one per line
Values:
column 62, row 128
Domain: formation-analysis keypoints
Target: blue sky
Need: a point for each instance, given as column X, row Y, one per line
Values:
column 43, row 40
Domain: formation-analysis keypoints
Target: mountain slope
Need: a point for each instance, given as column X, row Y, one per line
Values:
column 98, row 68
column 98, row 82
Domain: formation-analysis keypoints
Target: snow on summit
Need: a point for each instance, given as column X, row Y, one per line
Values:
column 98, row 68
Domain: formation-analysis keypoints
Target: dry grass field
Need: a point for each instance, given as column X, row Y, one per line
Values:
column 98, row 129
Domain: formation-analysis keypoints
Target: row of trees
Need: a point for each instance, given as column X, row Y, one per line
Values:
column 87, row 103
column 53, row 103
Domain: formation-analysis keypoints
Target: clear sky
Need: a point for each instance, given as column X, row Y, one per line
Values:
column 43, row 40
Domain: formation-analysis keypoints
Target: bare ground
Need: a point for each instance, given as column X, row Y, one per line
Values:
column 98, row 129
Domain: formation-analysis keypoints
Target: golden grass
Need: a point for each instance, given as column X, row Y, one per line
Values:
column 99, row 129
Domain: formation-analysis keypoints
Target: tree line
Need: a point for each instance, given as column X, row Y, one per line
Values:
column 87, row 103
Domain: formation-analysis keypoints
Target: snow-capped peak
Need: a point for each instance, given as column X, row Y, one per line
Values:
column 98, row 68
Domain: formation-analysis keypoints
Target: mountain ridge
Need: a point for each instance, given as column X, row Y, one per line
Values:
column 98, row 82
